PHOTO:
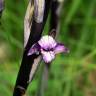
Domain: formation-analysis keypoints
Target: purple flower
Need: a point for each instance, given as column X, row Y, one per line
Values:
column 48, row 48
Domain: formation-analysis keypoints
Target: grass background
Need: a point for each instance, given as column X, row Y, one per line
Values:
column 71, row 74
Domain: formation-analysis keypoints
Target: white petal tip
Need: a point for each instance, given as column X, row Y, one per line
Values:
column 29, row 54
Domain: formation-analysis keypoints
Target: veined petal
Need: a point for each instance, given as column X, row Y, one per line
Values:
column 48, row 56
column 60, row 48
column 47, row 42
column 34, row 49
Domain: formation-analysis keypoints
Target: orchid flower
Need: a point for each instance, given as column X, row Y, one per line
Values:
column 48, row 48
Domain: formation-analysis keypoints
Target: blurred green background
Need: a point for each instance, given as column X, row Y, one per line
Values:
column 71, row 74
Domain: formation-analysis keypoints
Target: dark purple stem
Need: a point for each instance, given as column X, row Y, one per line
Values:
column 27, row 61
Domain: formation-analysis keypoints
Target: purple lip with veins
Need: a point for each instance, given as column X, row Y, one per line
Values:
column 48, row 48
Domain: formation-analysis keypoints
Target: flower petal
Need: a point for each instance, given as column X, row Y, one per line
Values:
column 60, row 48
column 34, row 49
column 48, row 56
column 47, row 42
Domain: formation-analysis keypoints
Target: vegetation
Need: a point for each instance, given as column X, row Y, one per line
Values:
column 73, row 74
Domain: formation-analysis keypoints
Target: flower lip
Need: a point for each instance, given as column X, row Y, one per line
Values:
column 48, row 56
